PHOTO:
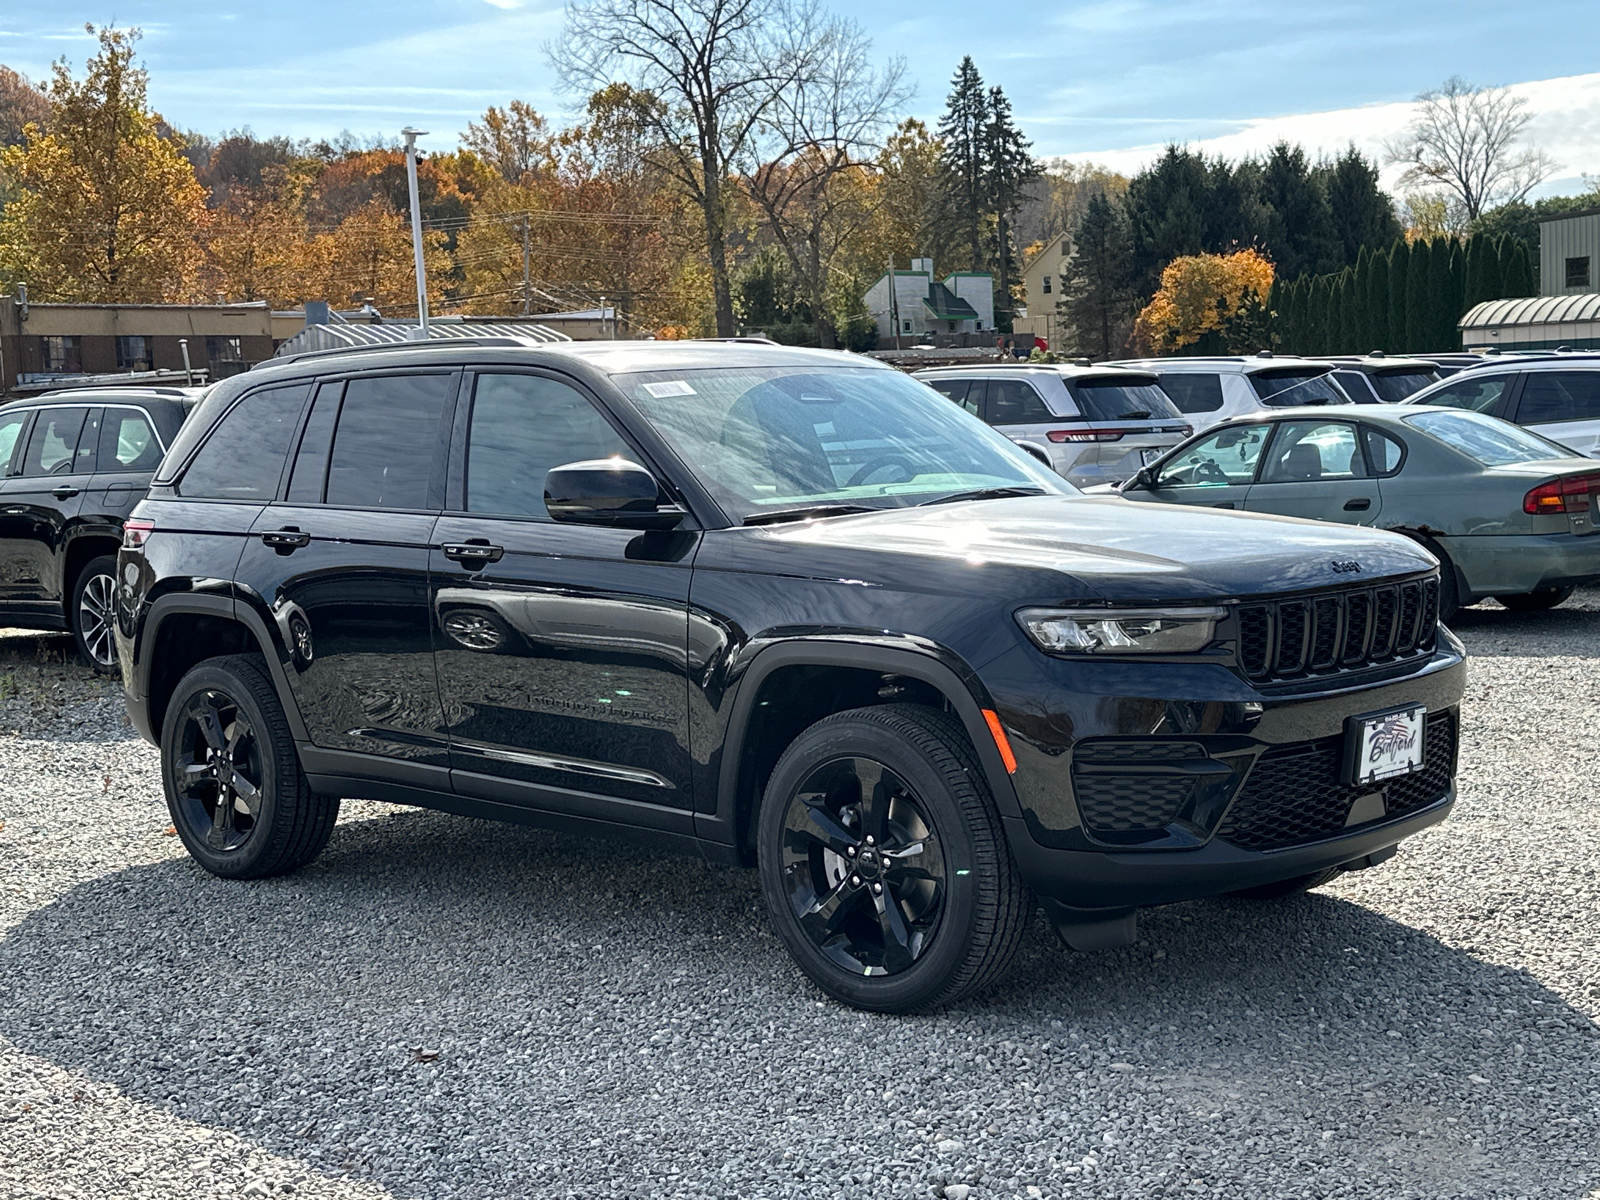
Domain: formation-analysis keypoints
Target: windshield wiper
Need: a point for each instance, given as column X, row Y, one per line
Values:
column 776, row 515
column 988, row 493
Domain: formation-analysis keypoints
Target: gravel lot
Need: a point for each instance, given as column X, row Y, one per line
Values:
column 441, row 1007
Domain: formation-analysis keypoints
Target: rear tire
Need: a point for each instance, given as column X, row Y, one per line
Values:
column 1286, row 887
column 234, row 786
column 92, row 612
column 883, row 861
column 1538, row 601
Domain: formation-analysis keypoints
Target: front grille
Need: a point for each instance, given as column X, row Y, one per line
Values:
column 1308, row 636
column 1294, row 793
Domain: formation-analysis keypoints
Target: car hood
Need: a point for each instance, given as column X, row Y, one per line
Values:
column 1093, row 548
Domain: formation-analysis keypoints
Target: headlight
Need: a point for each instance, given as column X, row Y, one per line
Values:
column 1120, row 630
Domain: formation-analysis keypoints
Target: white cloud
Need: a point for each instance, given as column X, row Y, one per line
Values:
column 1565, row 124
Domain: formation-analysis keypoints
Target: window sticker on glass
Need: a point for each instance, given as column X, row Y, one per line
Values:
column 672, row 387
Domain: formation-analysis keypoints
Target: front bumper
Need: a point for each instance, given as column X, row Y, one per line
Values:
column 1515, row 564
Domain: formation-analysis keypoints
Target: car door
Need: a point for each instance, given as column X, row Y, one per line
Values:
column 561, row 648
column 130, row 451
column 13, row 437
column 1216, row 470
column 340, row 565
column 38, row 505
column 1563, row 406
column 1316, row 469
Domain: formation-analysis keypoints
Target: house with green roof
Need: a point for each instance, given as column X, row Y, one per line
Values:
column 914, row 304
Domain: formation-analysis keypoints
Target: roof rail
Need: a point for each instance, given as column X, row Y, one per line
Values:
column 750, row 339
column 429, row 344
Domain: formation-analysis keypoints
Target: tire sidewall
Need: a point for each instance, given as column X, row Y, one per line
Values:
column 952, row 940
column 245, row 861
column 105, row 565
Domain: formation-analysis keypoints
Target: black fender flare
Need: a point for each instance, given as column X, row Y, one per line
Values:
column 965, row 692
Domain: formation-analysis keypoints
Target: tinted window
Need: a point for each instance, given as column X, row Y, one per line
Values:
column 311, row 463
column 1014, row 402
column 1108, row 400
column 385, row 442
column 1395, row 386
column 954, row 389
column 53, row 444
column 1285, row 389
column 1356, row 386
column 243, row 458
column 1383, row 452
column 1226, row 458
column 127, row 443
column 1480, row 393
column 522, row 426
column 1559, row 396
column 1489, row 440
column 1193, row 392
column 10, row 427
column 1310, row 450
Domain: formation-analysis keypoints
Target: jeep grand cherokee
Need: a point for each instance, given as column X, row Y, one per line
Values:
column 784, row 608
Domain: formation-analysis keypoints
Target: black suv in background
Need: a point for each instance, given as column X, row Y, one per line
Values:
column 772, row 606
column 72, row 466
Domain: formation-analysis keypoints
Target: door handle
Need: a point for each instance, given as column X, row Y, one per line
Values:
column 1360, row 505
column 1224, row 504
column 65, row 492
column 284, row 541
column 475, row 552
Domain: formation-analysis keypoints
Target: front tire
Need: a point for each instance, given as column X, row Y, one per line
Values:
column 234, row 786
column 92, row 613
column 1536, row 601
column 883, row 862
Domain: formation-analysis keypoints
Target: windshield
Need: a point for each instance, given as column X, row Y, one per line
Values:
column 1114, row 400
column 1395, row 386
column 1285, row 389
column 764, row 439
column 1489, row 440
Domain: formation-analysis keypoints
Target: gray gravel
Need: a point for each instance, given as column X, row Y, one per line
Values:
column 442, row 1007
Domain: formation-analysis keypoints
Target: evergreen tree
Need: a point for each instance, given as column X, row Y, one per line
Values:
column 1441, row 298
column 1098, row 291
column 1360, row 286
column 1009, row 169
column 1458, row 280
column 1399, row 270
column 1333, row 339
column 1164, row 214
column 1517, row 271
column 1493, row 281
column 962, row 130
column 1317, row 318
column 1361, row 211
column 1294, row 319
column 1417, row 330
column 1298, row 226
column 1277, row 295
column 1377, row 302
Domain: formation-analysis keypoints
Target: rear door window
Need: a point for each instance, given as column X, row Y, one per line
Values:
column 1110, row 400
column 1193, row 391
column 1312, row 450
column 244, row 456
column 386, row 441
column 1479, row 393
column 127, row 442
column 53, row 444
column 1014, row 402
column 1552, row 396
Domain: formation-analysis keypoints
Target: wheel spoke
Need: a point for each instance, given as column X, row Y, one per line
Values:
column 874, row 798
column 819, row 825
column 221, row 820
column 897, row 952
column 822, row 919
column 919, row 859
column 193, row 773
column 210, row 721
column 247, row 797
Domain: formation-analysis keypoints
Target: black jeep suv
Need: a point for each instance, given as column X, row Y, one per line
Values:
column 72, row 466
column 777, row 607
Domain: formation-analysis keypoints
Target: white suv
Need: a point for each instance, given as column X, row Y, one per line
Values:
column 1210, row 390
column 1557, row 398
column 1092, row 425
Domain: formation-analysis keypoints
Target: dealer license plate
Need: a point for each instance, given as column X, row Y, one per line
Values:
column 1146, row 457
column 1386, row 745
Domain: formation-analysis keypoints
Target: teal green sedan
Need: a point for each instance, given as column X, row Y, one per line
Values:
column 1508, row 513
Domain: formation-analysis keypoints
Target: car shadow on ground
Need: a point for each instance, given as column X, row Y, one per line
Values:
column 1487, row 628
column 576, row 990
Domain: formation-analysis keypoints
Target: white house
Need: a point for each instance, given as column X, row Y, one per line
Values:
column 918, row 305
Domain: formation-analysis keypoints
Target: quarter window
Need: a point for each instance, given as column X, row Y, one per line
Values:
column 127, row 443
column 1549, row 396
column 1225, row 459
column 1383, row 452
column 384, row 442
column 53, row 444
column 522, row 427
column 243, row 458
column 1305, row 451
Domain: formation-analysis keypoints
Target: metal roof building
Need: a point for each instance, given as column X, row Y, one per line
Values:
column 344, row 336
column 1534, row 323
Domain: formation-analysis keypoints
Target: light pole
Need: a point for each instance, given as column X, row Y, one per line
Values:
column 411, row 136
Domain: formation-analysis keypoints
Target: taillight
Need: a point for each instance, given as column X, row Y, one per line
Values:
column 135, row 533
column 1088, row 435
column 1561, row 495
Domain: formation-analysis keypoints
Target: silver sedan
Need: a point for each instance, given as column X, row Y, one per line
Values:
column 1508, row 513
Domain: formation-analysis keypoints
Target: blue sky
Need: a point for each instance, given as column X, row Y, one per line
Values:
column 1099, row 79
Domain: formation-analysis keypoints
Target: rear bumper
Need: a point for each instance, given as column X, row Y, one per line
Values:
column 1518, row 563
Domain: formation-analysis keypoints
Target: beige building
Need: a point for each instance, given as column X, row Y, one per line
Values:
column 1042, row 277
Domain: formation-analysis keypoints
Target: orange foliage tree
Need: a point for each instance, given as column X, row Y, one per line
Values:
column 1217, row 294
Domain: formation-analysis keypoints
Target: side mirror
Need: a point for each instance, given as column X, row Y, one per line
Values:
column 607, row 491
column 1142, row 478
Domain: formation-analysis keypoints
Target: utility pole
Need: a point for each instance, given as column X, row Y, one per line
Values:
column 527, row 294
column 894, row 304
column 411, row 136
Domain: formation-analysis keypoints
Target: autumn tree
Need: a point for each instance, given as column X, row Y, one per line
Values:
column 106, row 205
column 513, row 141
column 907, row 218
column 1222, row 295
column 21, row 102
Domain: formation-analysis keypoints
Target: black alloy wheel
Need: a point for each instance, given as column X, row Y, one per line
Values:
column 94, row 614
column 863, row 867
column 237, row 794
column 883, row 861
